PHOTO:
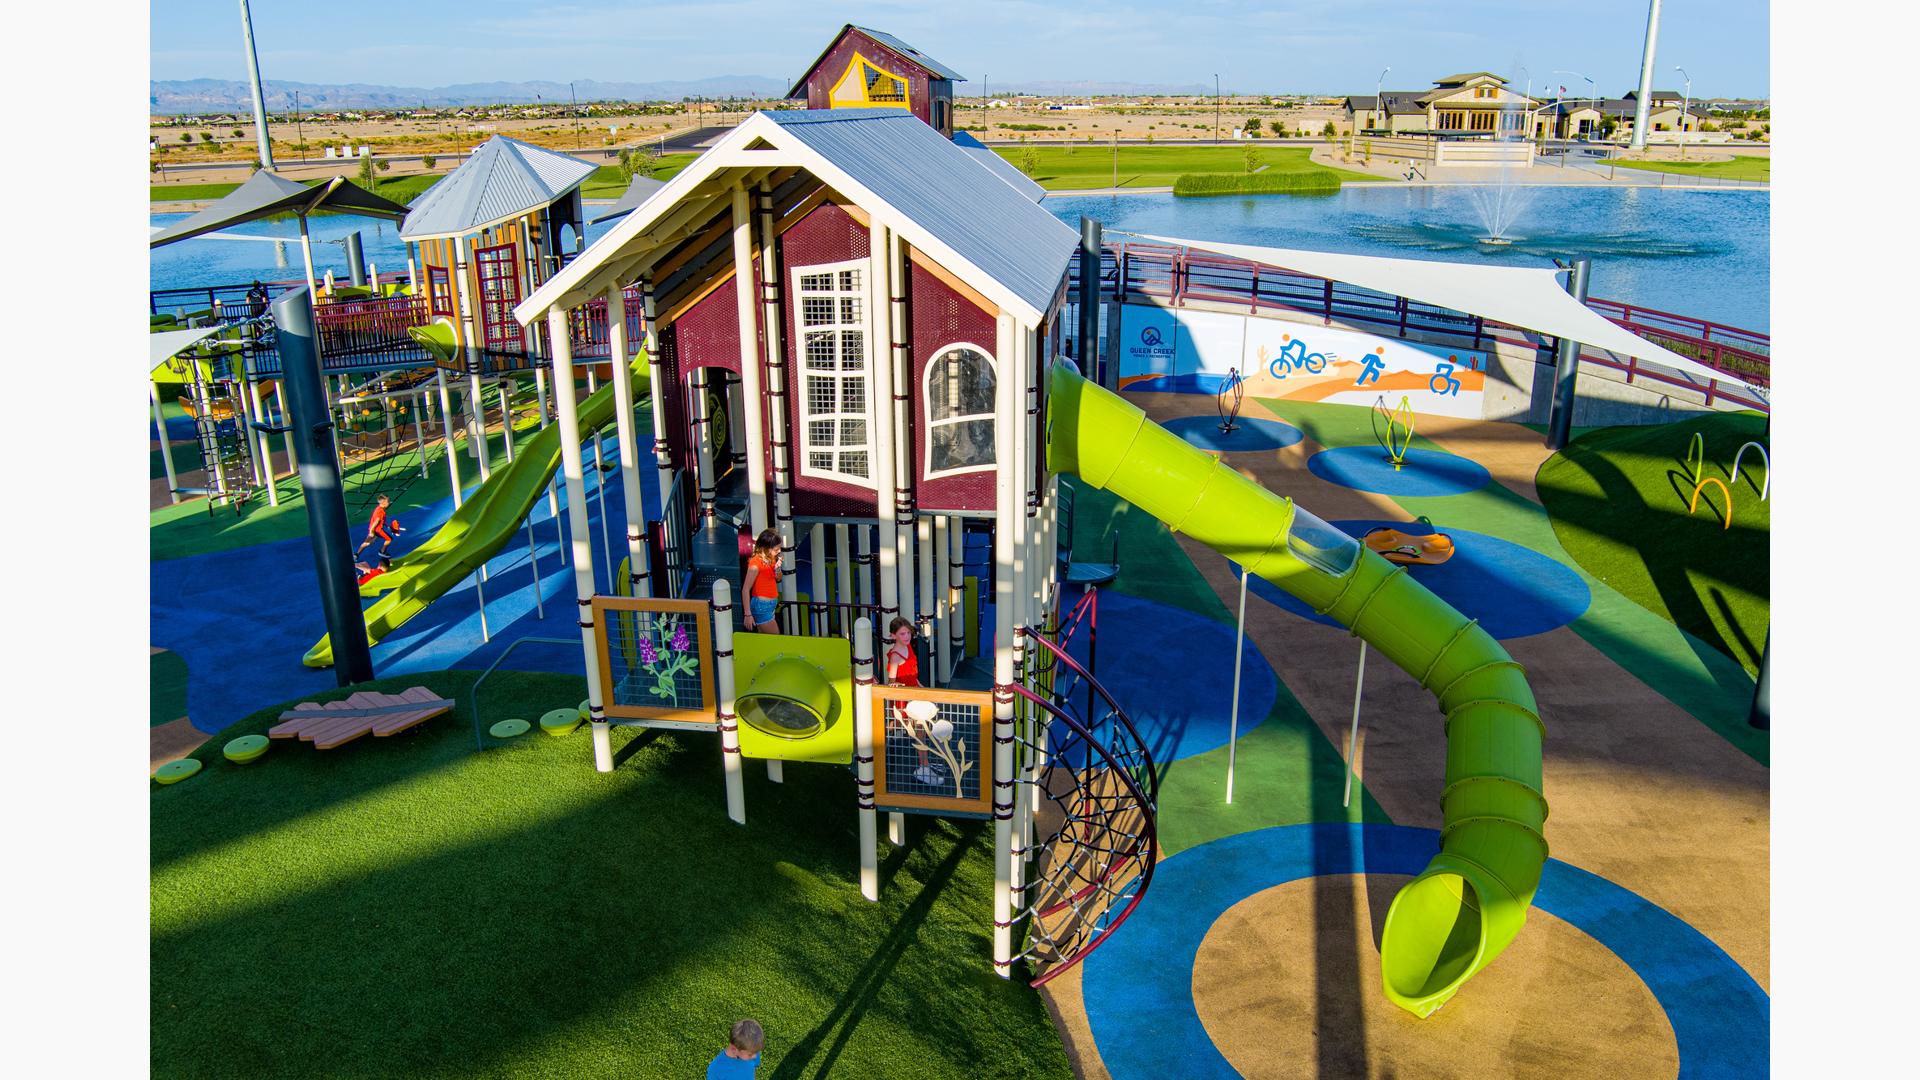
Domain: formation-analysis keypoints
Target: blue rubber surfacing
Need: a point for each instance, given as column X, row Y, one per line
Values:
column 1511, row 589
column 1426, row 473
column 1138, row 986
column 1249, row 434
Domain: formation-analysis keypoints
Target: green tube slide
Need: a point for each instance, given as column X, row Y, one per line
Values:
column 481, row 526
column 1472, row 899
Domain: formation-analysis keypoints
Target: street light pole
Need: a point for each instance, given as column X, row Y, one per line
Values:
column 1685, row 102
column 1216, row 109
column 1575, row 74
column 1379, row 106
column 299, row 129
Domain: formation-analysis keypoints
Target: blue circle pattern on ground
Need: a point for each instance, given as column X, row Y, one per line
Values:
column 1172, row 671
column 1138, row 986
column 1249, row 433
column 1513, row 590
column 1426, row 472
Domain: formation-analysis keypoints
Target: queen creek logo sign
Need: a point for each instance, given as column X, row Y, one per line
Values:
column 1150, row 336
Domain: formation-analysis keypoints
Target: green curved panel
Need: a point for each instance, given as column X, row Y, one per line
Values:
column 481, row 526
column 1472, row 899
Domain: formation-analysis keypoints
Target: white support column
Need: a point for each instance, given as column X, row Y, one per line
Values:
column 477, row 409
column 843, row 572
column 863, row 753
column 1007, row 516
column 657, row 372
column 957, row 585
column 166, row 445
column 266, row 446
column 446, row 431
column 570, row 461
column 506, row 416
column 942, row 601
column 723, row 688
column 749, row 362
column 639, row 574
column 420, row 429
column 863, row 558
column 286, row 418
column 901, row 398
column 887, row 547
column 772, row 325
column 817, row 575
column 553, row 497
column 927, row 628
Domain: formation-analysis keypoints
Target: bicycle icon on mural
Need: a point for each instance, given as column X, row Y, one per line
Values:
column 1293, row 357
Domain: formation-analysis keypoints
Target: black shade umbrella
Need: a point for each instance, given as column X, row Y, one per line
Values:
column 266, row 194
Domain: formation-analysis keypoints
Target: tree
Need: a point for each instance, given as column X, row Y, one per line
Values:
column 1607, row 125
column 1328, row 131
column 1029, row 160
column 1250, row 159
column 1279, row 128
column 385, row 165
column 186, row 136
column 366, row 172
column 1252, row 127
column 428, row 161
column 238, row 134
column 206, row 136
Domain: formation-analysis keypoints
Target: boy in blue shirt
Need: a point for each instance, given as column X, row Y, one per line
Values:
column 742, row 1055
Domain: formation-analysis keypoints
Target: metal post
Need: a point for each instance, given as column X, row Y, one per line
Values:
column 506, row 416
column 843, row 572
column 286, row 439
column 863, row 752
column 477, row 409
column 1239, row 651
column 312, row 424
column 356, row 259
column 770, row 327
column 266, row 448
column 817, row 573
column 600, row 489
column 263, row 140
column 749, row 361
column 942, row 601
column 659, row 389
column 927, row 627
column 533, row 559
column 583, row 577
column 723, row 687
column 1760, row 713
column 1566, row 366
column 901, row 393
column 1353, row 732
column 203, row 394
column 166, row 444
column 886, row 546
column 446, row 431
column 1007, row 515
column 1640, row 107
column 1088, row 334
column 957, row 583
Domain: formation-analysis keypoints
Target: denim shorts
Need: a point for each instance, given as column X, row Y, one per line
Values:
column 762, row 608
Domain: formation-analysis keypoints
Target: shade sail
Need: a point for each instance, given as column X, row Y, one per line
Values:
column 1528, row 298
column 168, row 343
column 266, row 194
column 639, row 191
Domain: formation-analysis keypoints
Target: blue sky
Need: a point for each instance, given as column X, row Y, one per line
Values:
column 1282, row 46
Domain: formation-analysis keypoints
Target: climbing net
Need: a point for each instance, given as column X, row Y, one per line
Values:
column 1086, row 795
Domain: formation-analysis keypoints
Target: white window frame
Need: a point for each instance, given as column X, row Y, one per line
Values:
column 927, row 472
column 803, row 445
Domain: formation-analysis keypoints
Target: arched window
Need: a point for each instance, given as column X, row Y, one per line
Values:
column 959, row 403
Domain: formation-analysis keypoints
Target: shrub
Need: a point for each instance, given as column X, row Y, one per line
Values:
column 1250, row 159
column 238, row 134
column 428, row 161
column 206, row 136
column 1266, row 183
column 385, row 164
column 366, row 172
column 1328, row 131
column 186, row 136
column 1029, row 160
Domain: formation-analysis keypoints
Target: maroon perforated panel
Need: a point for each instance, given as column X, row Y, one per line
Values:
column 941, row 317
column 709, row 332
column 828, row 234
column 674, row 404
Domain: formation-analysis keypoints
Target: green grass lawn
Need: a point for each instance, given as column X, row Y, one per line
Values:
column 166, row 688
column 1618, row 499
column 1742, row 167
column 606, row 182
column 411, row 907
column 1059, row 168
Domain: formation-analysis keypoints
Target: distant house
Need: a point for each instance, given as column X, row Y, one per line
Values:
column 866, row 69
column 1477, row 102
column 1576, row 117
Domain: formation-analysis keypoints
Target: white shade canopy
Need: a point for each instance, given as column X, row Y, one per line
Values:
column 1528, row 298
column 168, row 343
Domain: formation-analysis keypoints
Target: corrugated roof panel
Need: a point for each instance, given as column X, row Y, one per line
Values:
column 502, row 179
column 945, row 190
column 999, row 166
column 907, row 50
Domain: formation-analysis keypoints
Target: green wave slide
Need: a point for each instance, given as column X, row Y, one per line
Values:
column 481, row 526
column 1469, row 903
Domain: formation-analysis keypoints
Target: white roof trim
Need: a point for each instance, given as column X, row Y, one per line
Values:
column 1529, row 298
column 791, row 151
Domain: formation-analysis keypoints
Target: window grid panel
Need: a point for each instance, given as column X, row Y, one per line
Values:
column 837, row 432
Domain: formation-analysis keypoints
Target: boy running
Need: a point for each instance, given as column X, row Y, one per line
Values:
column 378, row 526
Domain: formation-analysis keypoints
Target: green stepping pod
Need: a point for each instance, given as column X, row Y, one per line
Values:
column 246, row 748
column 1470, row 902
column 175, row 771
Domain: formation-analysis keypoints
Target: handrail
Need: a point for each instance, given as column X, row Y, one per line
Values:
column 473, row 694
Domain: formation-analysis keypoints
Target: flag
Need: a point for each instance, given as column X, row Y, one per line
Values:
column 1563, row 89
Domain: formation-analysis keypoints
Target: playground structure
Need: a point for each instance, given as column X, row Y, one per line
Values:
column 831, row 352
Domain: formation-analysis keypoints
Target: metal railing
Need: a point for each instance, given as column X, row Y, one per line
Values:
column 677, row 543
column 1178, row 275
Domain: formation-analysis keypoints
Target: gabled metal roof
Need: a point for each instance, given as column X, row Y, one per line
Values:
column 1000, row 166
column 947, row 191
column 934, row 67
column 503, row 179
column 941, row 199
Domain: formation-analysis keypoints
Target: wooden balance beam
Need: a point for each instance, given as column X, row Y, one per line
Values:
column 327, row 726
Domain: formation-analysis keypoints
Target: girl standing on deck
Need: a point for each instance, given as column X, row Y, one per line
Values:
column 763, row 583
column 903, row 669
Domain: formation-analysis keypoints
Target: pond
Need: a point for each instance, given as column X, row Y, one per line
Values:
column 1701, row 253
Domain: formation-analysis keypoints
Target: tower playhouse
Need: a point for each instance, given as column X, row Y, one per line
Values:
column 891, row 308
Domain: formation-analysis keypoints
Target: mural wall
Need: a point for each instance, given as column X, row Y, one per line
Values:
column 1192, row 352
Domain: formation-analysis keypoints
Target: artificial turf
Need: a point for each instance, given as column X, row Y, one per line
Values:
column 166, row 688
column 1618, row 498
column 409, row 906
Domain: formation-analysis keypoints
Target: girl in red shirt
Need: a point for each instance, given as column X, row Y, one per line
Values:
column 903, row 669
column 763, row 583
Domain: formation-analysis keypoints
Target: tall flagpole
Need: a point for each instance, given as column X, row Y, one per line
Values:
column 260, row 136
